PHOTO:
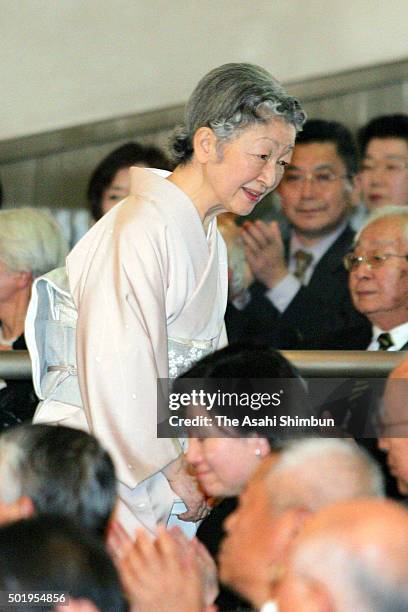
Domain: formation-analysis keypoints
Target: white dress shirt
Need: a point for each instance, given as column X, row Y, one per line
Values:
column 399, row 337
column 283, row 293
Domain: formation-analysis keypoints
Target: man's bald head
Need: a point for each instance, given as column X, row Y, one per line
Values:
column 316, row 472
column 352, row 555
column 305, row 476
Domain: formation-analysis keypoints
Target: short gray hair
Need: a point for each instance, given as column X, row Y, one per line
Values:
column 356, row 580
column 386, row 212
column 229, row 99
column 327, row 470
column 63, row 471
column 31, row 241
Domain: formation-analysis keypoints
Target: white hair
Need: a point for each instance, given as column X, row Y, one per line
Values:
column 31, row 241
column 368, row 576
column 385, row 212
column 315, row 472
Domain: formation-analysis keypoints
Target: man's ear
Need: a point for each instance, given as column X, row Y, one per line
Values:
column 204, row 143
column 355, row 190
column 319, row 598
column 24, row 279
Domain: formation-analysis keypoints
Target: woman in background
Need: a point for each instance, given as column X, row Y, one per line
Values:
column 110, row 181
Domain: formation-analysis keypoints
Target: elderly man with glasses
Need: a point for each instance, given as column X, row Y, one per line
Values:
column 378, row 277
column 300, row 297
column 378, row 282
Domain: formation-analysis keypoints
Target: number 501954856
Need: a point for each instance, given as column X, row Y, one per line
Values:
column 39, row 598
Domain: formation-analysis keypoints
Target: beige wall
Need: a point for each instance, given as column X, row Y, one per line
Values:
column 70, row 62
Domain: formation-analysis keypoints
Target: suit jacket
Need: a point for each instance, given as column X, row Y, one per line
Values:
column 320, row 316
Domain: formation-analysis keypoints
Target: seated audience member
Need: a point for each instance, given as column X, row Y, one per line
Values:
column 110, row 181
column 31, row 244
column 350, row 556
column 300, row 297
column 50, row 555
column 393, row 425
column 58, row 471
column 383, row 175
column 210, row 457
column 225, row 457
column 378, row 278
column 282, row 494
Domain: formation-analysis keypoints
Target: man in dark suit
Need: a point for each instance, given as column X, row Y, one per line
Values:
column 378, row 268
column 300, row 298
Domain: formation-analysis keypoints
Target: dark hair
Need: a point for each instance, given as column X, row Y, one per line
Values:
column 320, row 130
column 1, row 194
column 64, row 471
column 50, row 554
column 127, row 155
column 229, row 99
column 240, row 363
column 385, row 126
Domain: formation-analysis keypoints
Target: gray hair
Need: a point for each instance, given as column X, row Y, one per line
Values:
column 325, row 471
column 386, row 212
column 31, row 241
column 355, row 580
column 63, row 471
column 229, row 99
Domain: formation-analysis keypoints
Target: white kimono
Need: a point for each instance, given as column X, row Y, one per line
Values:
column 150, row 289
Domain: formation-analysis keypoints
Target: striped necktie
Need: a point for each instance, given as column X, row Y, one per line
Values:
column 385, row 341
column 303, row 261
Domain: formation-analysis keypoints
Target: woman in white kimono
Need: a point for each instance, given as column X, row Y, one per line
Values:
column 149, row 281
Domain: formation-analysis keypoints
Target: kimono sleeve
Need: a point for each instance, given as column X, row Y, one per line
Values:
column 122, row 347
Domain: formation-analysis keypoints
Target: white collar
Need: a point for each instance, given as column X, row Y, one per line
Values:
column 399, row 335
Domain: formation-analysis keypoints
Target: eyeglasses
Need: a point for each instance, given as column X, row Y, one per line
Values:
column 320, row 179
column 351, row 261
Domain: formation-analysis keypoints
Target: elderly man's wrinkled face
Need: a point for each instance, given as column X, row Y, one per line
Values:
column 380, row 289
column 258, row 538
column 394, row 430
column 384, row 173
column 315, row 191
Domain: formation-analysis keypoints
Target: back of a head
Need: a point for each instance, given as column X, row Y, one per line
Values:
column 313, row 473
column 320, row 130
column 50, row 554
column 382, row 127
column 359, row 550
column 63, row 471
column 31, row 241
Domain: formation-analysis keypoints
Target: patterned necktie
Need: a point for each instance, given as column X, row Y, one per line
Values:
column 303, row 261
column 384, row 341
